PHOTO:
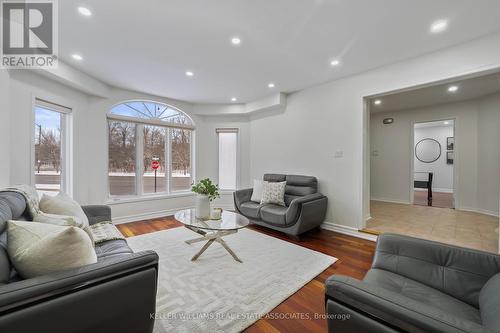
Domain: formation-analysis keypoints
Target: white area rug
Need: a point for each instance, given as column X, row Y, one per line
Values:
column 218, row 294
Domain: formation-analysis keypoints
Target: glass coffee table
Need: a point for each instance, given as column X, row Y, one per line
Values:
column 212, row 230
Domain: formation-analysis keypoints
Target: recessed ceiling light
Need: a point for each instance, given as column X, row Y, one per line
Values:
column 271, row 85
column 236, row 41
column 189, row 73
column 233, row 99
column 446, row 122
column 377, row 102
column 335, row 62
column 77, row 57
column 439, row 26
column 452, row 89
column 84, row 11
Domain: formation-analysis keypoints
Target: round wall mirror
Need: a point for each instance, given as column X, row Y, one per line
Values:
column 428, row 150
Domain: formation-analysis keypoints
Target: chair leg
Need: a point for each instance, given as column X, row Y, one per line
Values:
column 295, row 238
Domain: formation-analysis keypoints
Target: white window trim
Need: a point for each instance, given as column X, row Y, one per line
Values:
column 238, row 149
column 66, row 139
column 139, row 150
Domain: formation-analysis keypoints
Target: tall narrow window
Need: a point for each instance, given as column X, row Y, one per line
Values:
column 228, row 158
column 122, row 161
column 150, row 149
column 50, row 163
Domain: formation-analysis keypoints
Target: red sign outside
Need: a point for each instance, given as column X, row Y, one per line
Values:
column 155, row 165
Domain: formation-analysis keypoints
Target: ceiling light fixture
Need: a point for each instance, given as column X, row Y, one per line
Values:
column 84, row 11
column 271, row 85
column 233, row 99
column 77, row 57
column 446, row 122
column 236, row 41
column 377, row 102
column 189, row 73
column 453, row 89
column 439, row 26
column 335, row 62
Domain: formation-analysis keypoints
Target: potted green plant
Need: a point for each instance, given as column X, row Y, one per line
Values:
column 206, row 191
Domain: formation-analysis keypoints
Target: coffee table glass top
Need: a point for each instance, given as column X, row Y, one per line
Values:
column 228, row 221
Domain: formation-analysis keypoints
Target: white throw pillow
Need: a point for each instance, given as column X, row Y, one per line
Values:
column 258, row 186
column 62, row 220
column 39, row 248
column 61, row 204
column 273, row 193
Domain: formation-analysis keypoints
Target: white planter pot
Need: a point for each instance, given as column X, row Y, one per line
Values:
column 202, row 206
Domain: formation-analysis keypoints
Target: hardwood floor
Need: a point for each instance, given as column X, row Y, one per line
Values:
column 355, row 256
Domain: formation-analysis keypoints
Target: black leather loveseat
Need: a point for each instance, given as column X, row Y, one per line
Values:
column 116, row 294
column 415, row 285
column 305, row 208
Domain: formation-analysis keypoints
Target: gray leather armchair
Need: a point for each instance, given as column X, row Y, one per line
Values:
column 415, row 285
column 304, row 209
column 116, row 294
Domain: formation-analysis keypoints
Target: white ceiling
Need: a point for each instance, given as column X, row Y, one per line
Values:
column 438, row 94
column 148, row 45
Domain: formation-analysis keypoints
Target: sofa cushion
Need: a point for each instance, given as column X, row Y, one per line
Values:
column 112, row 248
column 258, row 186
column 489, row 303
column 5, row 267
column 62, row 204
column 273, row 193
column 273, row 214
column 274, row 177
column 39, row 248
column 251, row 209
column 421, row 293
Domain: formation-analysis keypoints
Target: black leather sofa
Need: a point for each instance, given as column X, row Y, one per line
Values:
column 415, row 285
column 305, row 208
column 116, row 294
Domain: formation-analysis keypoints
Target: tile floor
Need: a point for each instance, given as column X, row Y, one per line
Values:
column 445, row 225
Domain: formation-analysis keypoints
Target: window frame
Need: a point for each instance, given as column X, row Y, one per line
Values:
column 66, row 114
column 235, row 130
column 139, row 151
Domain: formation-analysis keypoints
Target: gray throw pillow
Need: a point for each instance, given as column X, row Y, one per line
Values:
column 273, row 193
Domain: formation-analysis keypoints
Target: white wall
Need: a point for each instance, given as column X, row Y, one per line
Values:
column 4, row 128
column 489, row 155
column 321, row 120
column 442, row 172
column 24, row 87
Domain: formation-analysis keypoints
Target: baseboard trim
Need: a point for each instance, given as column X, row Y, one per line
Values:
column 437, row 190
column 391, row 201
column 146, row 216
column 157, row 214
column 480, row 211
column 348, row 231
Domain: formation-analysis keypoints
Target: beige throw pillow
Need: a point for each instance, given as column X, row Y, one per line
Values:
column 273, row 193
column 258, row 186
column 62, row 220
column 39, row 248
column 62, row 204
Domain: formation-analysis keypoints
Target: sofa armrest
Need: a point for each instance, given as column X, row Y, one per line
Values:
column 97, row 213
column 241, row 196
column 454, row 270
column 319, row 210
column 394, row 309
column 31, row 291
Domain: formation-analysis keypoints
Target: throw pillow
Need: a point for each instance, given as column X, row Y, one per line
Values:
column 273, row 193
column 38, row 248
column 62, row 220
column 257, row 190
column 62, row 204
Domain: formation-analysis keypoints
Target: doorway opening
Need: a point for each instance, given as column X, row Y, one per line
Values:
column 433, row 163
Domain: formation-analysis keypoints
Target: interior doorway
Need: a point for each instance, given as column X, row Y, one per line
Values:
column 433, row 163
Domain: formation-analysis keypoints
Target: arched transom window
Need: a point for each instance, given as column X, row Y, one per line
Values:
column 150, row 149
